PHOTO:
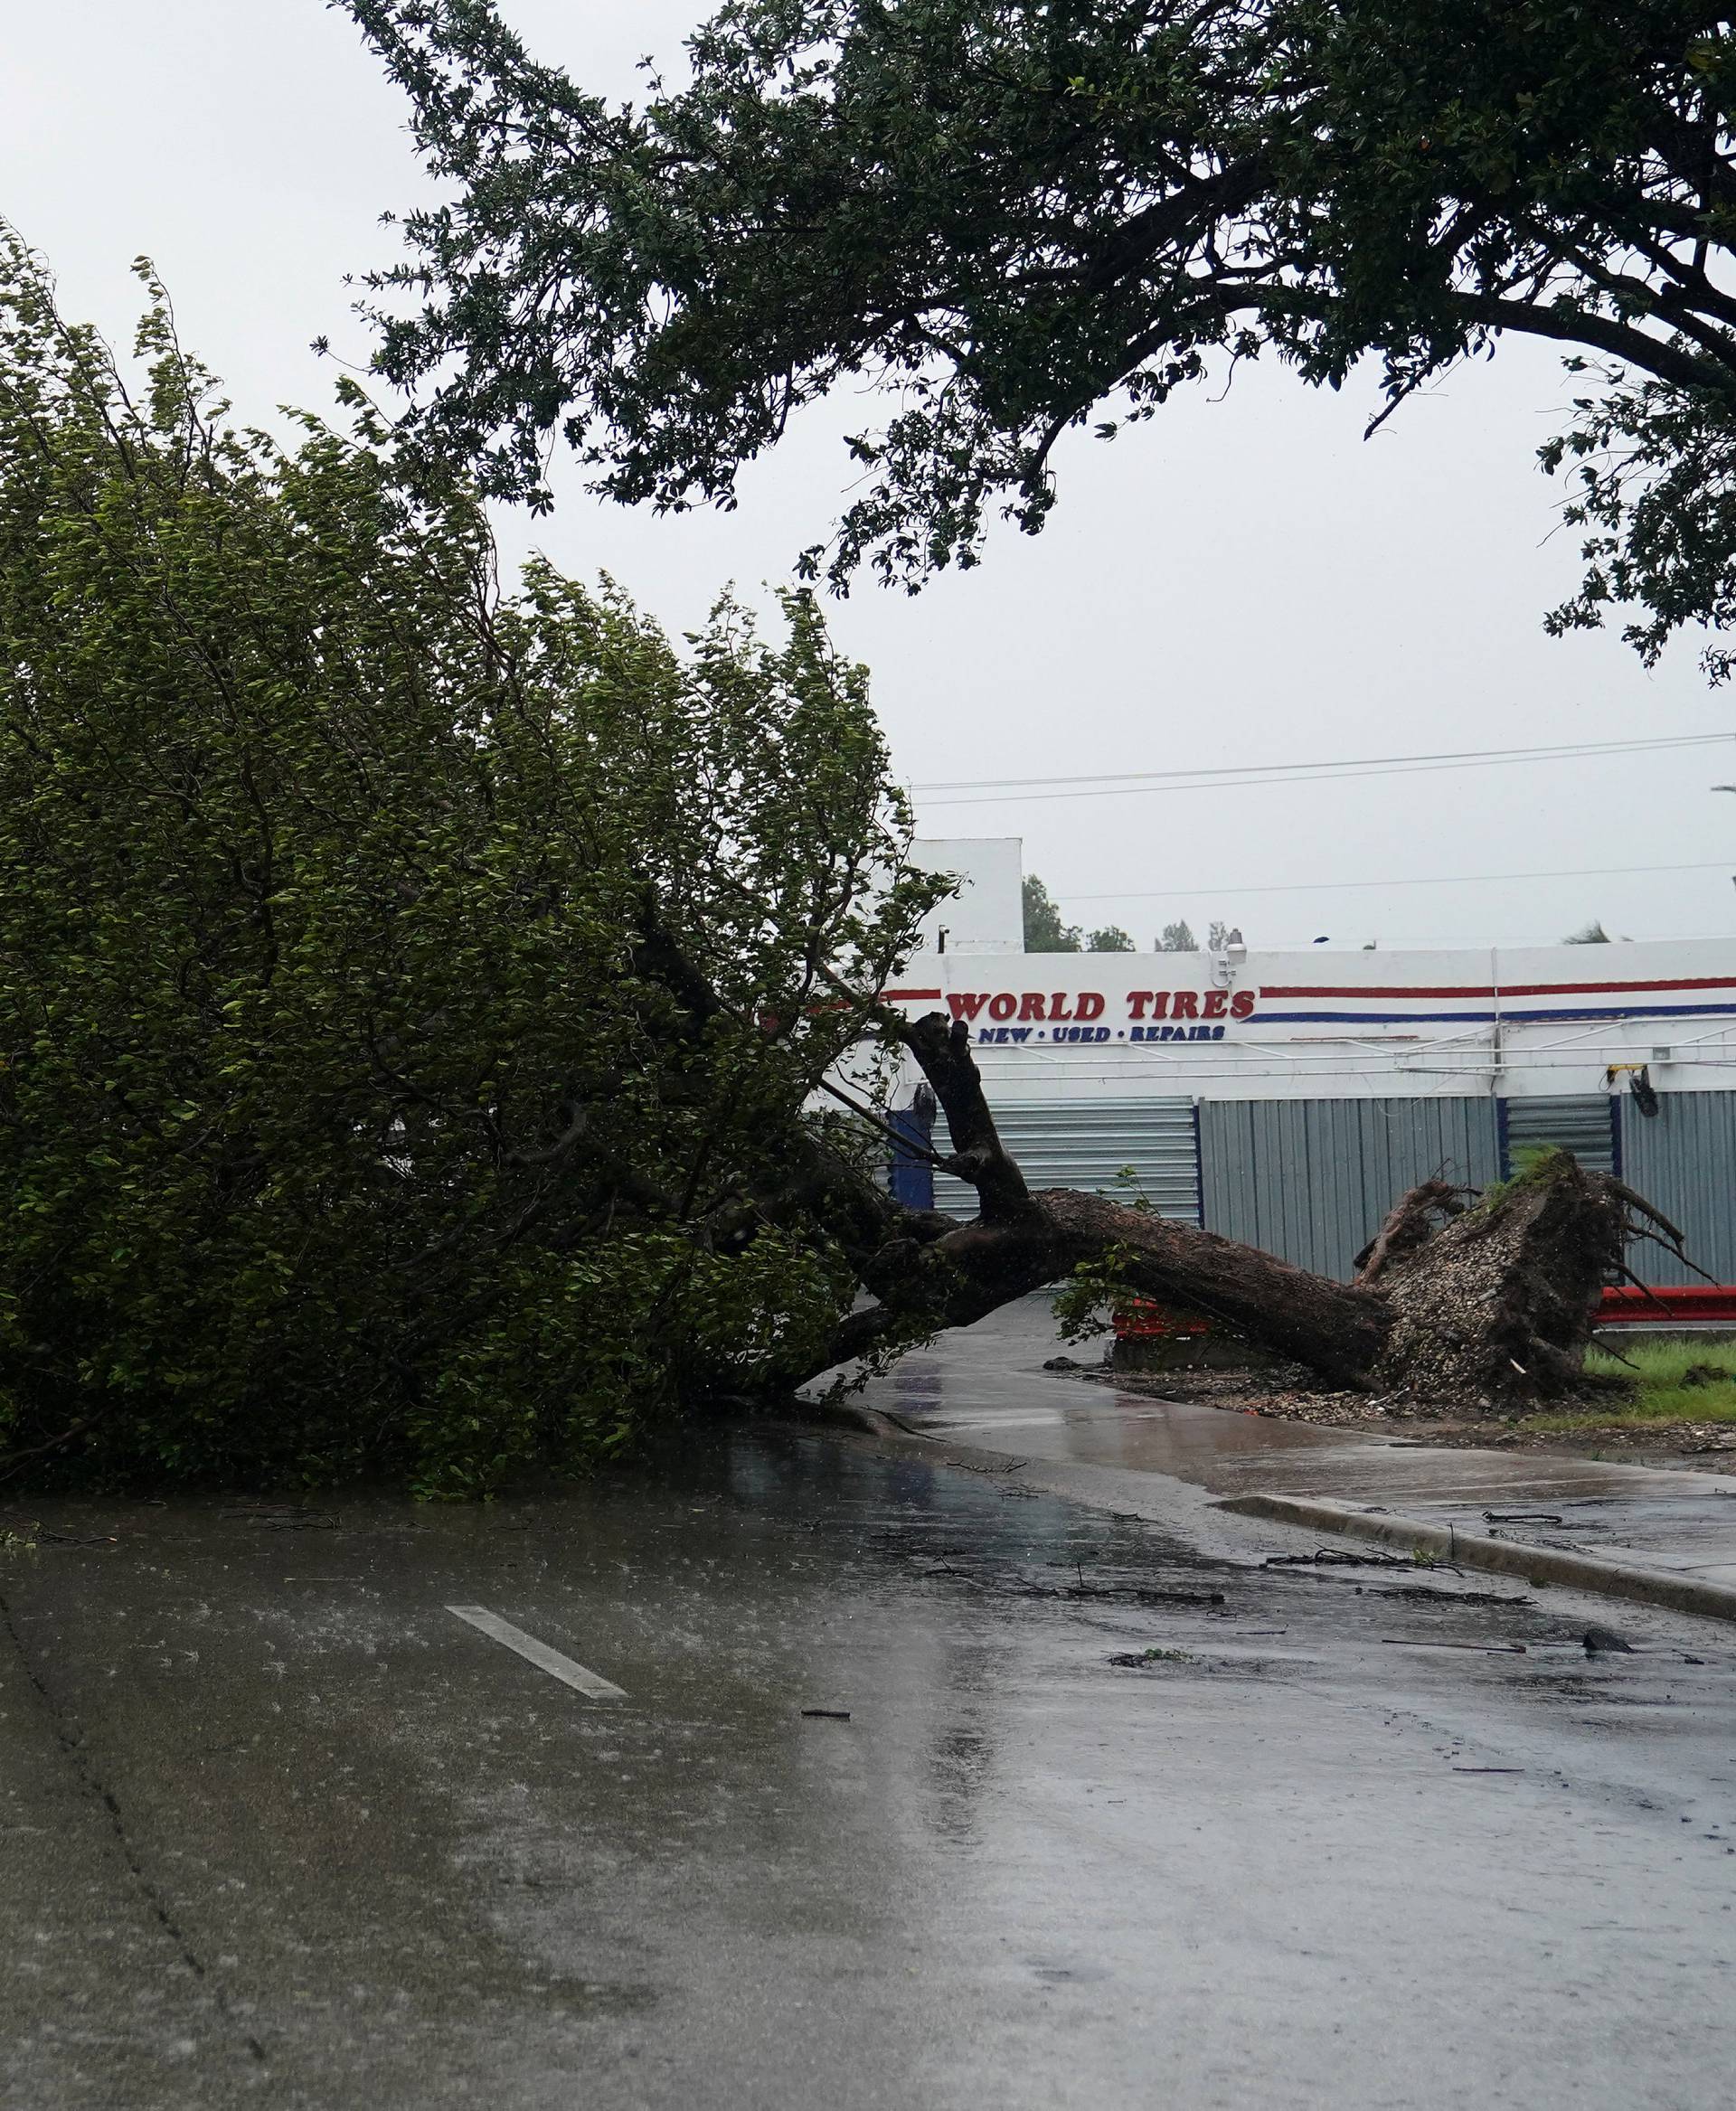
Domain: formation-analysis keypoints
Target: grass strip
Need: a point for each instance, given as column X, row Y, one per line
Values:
column 1671, row 1381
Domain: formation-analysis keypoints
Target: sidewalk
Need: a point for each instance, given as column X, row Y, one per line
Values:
column 1557, row 1519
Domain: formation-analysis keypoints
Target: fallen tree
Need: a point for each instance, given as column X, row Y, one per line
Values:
column 410, row 985
column 1487, row 1298
column 415, row 997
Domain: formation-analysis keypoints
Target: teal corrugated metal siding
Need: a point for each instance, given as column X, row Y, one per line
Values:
column 1310, row 1179
column 1683, row 1158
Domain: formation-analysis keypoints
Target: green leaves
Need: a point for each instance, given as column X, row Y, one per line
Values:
column 1651, row 480
column 386, row 965
column 1015, row 219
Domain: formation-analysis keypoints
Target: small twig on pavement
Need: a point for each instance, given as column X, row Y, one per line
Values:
column 45, row 1536
column 1335, row 1558
column 1483, row 1648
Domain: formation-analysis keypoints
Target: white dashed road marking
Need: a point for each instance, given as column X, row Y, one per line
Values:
column 538, row 1653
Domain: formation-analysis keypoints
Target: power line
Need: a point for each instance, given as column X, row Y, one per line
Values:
column 1439, row 880
column 1241, row 775
column 1549, row 750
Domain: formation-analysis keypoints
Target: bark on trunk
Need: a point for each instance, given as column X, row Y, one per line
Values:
column 1455, row 1298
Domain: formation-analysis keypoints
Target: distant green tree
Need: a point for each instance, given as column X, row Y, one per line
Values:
column 1043, row 930
column 1111, row 939
column 1591, row 934
column 1178, row 937
column 410, row 994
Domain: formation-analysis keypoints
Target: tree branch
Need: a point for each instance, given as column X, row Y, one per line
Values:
column 942, row 1047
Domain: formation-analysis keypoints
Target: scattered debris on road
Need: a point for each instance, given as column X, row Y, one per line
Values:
column 1485, row 1648
column 1285, row 1393
column 1141, row 1597
column 1606, row 1642
column 20, row 1534
column 280, row 1517
column 1456, row 1597
column 1334, row 1558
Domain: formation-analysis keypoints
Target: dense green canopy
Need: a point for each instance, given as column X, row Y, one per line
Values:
column 1025, row 215
column 409, row 993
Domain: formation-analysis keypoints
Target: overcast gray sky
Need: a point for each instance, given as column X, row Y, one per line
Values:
column 1240, row 582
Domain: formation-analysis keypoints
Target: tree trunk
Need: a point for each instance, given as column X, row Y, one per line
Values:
column 1484, row 1299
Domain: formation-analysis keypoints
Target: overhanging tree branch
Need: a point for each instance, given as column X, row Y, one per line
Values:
column 1009, row 217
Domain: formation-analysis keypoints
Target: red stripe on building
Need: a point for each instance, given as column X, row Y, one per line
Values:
column 1507, row 989
column 911, row 996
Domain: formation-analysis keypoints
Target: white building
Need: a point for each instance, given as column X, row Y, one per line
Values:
column 987, row 913
column 1287, row 1097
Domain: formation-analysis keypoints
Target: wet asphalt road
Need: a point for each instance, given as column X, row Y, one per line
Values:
column 279, row 1830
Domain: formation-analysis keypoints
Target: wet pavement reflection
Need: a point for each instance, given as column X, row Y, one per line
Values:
column 1100, row 1813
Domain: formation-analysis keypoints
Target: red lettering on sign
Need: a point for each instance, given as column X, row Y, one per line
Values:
column 1084, row 1005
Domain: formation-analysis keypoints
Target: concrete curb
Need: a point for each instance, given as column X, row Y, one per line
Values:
column 1649, row 1587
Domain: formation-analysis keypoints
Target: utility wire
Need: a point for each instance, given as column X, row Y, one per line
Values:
column 1439, row 880
column 1547, row 750
column 982, row 791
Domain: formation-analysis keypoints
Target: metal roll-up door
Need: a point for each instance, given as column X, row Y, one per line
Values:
column 1085, row 1144
column 1586, row 1126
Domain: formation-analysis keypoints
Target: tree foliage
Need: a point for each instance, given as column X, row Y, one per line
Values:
column 1022, row 218
column 1044, row 932
column 410, row 992
column 1111, row 939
